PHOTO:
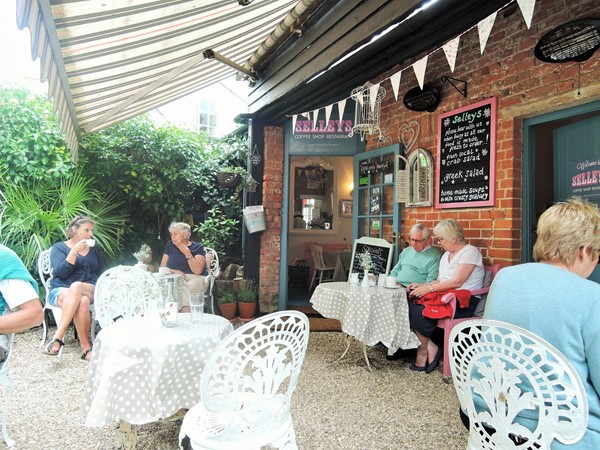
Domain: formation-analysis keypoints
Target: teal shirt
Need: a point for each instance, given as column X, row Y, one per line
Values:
column 417, row 267
column 563, row 309
column 12, row 268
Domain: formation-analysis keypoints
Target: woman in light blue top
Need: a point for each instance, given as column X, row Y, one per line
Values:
column 553, row 299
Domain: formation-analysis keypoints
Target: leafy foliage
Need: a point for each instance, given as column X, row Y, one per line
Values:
column 218, row 231
column 34, row 215
column 33, row 148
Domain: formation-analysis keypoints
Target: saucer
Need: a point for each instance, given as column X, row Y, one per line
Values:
column 394, row 287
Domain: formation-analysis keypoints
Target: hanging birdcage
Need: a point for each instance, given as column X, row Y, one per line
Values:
column 368, row 110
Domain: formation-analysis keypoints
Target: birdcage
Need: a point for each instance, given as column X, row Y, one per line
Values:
column 367, row 114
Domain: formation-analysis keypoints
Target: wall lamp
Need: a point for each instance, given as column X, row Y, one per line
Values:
column 211, row 54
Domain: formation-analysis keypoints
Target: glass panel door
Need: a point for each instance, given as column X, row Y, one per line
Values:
column 377, row 213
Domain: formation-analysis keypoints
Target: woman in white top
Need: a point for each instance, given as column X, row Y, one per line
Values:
column 461, row 267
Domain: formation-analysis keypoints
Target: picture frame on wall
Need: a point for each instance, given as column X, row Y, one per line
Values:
column 346, row 208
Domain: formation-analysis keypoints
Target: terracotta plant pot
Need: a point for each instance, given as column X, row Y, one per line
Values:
column 247, row 311
column 228, row 310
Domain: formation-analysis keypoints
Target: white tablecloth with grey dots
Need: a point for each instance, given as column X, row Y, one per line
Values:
column 371, row 315
column 141, row 371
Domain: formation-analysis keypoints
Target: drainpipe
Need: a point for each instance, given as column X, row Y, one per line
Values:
column 276, row 37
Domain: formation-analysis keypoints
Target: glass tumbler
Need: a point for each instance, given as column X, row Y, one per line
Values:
column 197, row 307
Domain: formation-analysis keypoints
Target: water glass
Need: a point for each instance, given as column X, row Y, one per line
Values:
column 381, row 280
column 197, row 306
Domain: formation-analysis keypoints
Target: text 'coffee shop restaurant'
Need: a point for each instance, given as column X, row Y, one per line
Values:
column 490, row 127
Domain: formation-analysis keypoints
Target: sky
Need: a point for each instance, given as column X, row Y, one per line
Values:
column 15, row 52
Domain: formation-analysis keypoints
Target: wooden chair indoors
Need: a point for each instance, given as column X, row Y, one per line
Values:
column 324, row 271
column 449, row 322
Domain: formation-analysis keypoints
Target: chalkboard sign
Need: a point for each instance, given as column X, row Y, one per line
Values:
column 466, row 159
column 381, row 252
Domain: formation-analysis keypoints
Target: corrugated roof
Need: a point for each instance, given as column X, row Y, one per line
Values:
column 109, row 60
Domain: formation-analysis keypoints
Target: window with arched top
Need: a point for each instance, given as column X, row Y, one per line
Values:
column 420, row 163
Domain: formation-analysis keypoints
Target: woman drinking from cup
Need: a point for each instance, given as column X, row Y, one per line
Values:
column 76, row 263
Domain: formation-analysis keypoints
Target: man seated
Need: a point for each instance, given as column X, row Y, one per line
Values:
column 418, row 263
column 20, row 307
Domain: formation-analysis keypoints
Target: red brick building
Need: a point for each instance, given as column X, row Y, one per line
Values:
column 533, row 99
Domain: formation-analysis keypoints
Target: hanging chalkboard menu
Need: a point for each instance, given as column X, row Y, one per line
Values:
column 466, row 159
column 381, row 252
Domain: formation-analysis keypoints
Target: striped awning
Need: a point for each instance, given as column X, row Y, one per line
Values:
column 107, row 61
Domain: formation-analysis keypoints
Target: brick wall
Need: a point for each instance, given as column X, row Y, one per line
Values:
column 270, row 244
column 524, row 86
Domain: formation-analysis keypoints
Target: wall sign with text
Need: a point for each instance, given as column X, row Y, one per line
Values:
column 466, row 159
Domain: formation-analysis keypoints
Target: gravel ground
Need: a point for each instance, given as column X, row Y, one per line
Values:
column 338, row 407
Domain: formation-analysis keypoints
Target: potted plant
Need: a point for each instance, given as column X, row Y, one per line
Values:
column 247, row 300
column 226, row 302
column 236, row 177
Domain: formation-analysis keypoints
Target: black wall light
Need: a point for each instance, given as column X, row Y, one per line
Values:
column 426, row 99
column 571, row 41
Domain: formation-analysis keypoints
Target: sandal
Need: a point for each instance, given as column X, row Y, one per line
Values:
column 48, row 350
column 84, row 354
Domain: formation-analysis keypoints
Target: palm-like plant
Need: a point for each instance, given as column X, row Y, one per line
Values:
column 33, row 216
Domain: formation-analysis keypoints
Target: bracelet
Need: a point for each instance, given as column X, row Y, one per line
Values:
column 431, row 288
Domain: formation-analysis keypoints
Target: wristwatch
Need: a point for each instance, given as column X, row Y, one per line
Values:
column 187, row 258
column 431, row 288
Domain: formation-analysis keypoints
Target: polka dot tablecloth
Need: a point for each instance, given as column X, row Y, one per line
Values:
column 371, row 315
column 142, row 372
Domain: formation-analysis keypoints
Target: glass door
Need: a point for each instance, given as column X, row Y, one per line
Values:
column 376, row 211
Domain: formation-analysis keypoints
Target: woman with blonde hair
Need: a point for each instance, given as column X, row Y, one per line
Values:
column 76, row 264
column 188, row 258
column 553, row 299
column 461, row 267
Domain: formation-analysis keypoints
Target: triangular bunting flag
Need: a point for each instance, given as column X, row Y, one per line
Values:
column 395, row 80
column 419, row 68
column 485, row 28
column 451, row 49
column 341, row 108
column 328, row 109
column 294, row 118
column 314, row 118
column 527, row 10
column 373, row 95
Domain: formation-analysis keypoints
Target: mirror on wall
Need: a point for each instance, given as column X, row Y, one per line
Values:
column 313, row 197
column 420, row 164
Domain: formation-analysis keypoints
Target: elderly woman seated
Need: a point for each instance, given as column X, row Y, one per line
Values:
column 185, row 257
column 461, row 267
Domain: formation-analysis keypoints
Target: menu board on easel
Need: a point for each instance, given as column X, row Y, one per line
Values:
column 466, row 159
column 381, row 252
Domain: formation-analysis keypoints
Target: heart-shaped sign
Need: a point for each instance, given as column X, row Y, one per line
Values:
column 408, row 133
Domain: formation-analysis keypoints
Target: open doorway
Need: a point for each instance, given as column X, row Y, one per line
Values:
column 556, row 147
column 320, row 186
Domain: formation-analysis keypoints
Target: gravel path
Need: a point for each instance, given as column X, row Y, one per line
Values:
column 339, row 407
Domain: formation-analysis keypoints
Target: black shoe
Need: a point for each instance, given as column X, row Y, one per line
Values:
column 417, row 368
column 436, row 362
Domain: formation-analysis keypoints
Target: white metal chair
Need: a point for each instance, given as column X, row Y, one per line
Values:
column 212, row 265
column 45, row 274
column 321, row 268
column 247, row 385
column 123, row 292
column 6, row 380
column 503, row 373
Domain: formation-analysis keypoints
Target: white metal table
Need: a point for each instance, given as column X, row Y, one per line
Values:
column 371, row 315
column 142, row 372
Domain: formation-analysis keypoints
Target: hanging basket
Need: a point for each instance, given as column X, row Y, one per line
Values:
column 228, row 179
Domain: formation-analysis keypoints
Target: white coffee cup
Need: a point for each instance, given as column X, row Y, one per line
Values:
column 390, row 282
column 163, row 270
column 90, row 242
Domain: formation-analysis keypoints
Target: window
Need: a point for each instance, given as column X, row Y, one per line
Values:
column 207, row 117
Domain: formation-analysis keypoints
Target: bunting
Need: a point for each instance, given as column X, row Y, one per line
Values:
column 485, row 28
column 450, row 48
column 314, row 118
column 419, row 68
column 395, row 80
column 527, row 7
